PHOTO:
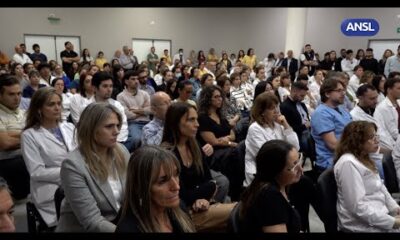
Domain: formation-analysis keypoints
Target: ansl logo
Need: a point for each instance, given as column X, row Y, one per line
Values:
column 360, row 27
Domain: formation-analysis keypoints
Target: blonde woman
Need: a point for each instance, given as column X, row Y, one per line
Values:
column 93, row 175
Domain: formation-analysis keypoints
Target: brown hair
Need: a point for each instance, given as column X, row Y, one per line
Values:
column 354, row 136
column 263, row 101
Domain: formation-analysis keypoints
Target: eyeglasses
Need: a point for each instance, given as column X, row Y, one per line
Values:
column 374, row 138
column 343, row 91
column 299, row 162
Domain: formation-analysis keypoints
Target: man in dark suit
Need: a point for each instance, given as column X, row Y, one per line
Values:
column 296, row 113
column 291, row 64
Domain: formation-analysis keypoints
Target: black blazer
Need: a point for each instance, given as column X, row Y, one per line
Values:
column 293, row 67
column 289, row 110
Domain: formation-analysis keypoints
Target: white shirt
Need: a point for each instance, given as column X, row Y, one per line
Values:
column 76, row 102
column 314, row 90
column 354, row 83
column 348, row 66
column 387, row 120
column 364, row 204
column 66, row 104
column 116, row 188
column 257, row 135
column 22, row 59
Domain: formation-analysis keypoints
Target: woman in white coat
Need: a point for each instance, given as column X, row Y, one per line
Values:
column 268, row 124
column 45, row 143
column 364, row 204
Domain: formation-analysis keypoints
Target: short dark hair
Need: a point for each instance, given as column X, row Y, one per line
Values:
column 66, row 43
column 7, row 80
column 128, row 74
column 393, row 74
column 182, row 84
column 369, row 50
column 390, row 82
column 302, row 77
column 307, row 45
column 100, row 77
column 357, row 67
column 43, row 65
column 204, row 78
column 328, row 86
column 35, row 46
column 299, row 86
column 349, row 51
column 364, row 88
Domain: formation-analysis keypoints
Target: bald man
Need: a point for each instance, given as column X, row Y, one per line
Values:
column 6, row 208
column 20, row 56
column 152, row 132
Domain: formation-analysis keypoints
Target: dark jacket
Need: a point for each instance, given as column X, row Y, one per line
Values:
column 293, row 67
column 289, row 110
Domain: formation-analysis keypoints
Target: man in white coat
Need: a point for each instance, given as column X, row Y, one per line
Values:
column 387, row 114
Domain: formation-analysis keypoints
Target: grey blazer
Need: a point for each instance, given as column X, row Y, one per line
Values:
column 89, row 204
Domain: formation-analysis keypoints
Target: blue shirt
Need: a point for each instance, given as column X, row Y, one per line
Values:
column 324, row 120
column 152, row 132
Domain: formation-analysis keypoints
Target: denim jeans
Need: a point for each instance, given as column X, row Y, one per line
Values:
column 135, row 132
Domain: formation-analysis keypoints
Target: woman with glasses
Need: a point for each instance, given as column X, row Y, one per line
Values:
column 364, row 204
column 185, row 91
column 265, row 205
column 269, row 124
column 215, row 130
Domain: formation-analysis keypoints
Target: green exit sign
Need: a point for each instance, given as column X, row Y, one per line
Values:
column 398, row 30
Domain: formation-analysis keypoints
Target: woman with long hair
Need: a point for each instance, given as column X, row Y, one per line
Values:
column 265, row 205
column 215, row 130
column 86, row 92
column 151, row 202
column 93, row 176
column 378, row 82
column 198, row 189
column 45, row 143
column 364, row 204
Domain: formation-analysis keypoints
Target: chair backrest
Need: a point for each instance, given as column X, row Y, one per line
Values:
column 326, row 198
column 389, row 171
column 36, row 223
column 58, row 197
column 233, row 220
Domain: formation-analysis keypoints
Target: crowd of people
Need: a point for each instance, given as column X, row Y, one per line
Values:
column 175, row 143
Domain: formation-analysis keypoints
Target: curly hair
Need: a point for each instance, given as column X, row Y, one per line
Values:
column 205, row 100
column 354, row 136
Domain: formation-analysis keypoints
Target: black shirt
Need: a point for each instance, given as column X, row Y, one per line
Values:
column 270, row 208
column 67, row 67
column 209, row 125
column 370, row 64
column 130, row 224
column 194, row 185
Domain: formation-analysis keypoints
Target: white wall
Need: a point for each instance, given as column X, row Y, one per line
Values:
column 108, row 29
column 227, row 29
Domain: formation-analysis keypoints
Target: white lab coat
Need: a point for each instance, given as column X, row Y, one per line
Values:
column 43, row 154
column 257, row 135
column 358, row 114
column 387, row 119
column 364, row 204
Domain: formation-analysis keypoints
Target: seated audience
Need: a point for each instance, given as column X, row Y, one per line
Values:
column 12, row 121
column 93, row 175
column 151, row 202
column 58, row 84
column 198, row 190
column 364, row 204
column 265, row 206
column 34, row 85
column 6, row 208
column 152, row 132
column 45, row 143
column 86, row 92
